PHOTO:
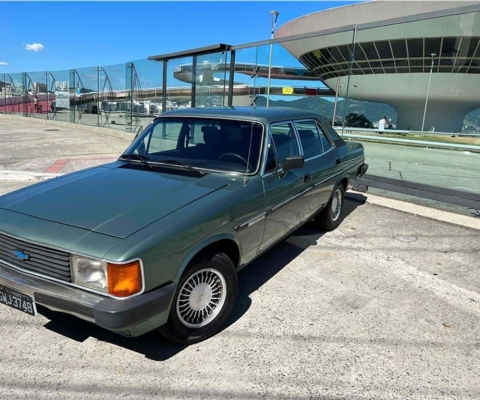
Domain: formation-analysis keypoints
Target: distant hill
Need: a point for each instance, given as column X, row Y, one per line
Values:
column 372, row 111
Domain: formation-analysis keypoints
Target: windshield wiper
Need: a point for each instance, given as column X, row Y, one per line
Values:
column 184, row 165
column 143, row 159
column 151, row 164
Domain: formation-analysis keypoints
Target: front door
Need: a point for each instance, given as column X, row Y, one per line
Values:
column 286, row 193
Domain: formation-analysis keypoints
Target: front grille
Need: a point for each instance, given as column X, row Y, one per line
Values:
column 42, row 260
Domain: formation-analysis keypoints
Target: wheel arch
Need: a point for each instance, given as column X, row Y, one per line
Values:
column 225, row 243
column 343, row 181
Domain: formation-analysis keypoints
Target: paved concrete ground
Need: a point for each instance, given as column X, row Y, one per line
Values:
column 34, row 146
column 33, row 150
column 116, row 120
column 386, row 306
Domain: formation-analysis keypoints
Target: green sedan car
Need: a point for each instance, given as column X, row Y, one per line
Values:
column 155, row 239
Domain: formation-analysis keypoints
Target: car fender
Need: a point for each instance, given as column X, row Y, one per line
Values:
column 199, row 246
column 340, row 178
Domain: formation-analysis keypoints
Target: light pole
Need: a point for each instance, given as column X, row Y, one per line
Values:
column 274, row 17
column 336, row 100
column 428, row 89
column 98, row 96
column 46, row 90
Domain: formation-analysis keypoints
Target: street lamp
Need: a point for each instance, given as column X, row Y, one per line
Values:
column 274, row 17
column 336, row 100
column 428, row 89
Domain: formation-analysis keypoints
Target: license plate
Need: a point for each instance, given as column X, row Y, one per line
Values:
column 17, row 300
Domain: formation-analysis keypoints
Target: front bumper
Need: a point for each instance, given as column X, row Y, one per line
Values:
column 131, row 317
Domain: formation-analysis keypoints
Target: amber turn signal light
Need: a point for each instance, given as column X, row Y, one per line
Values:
column 124, row 279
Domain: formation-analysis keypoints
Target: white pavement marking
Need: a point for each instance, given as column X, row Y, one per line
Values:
column 469, row 300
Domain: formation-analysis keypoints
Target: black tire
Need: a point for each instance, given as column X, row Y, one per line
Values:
column 187, row 330
column 332, row 214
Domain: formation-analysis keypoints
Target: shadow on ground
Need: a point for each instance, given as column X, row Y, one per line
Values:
column 253, row 277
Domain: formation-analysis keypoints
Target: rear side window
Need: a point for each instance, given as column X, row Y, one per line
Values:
column 310, row 138
column 332, row 134
column 326, row 144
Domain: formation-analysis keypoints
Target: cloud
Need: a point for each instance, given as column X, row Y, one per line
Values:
column 34, row 47
column 4, row 63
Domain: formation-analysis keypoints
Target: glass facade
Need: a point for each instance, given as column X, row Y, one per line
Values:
column 13, row 94
column 211, row 72
column 429, row 82
column 396, row 56
column 111, row 104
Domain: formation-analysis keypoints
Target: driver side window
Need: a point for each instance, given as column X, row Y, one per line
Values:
column 284, row 141
column 271, row 164
column 163, row 138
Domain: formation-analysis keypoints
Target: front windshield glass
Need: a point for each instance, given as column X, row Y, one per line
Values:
column 202, row 143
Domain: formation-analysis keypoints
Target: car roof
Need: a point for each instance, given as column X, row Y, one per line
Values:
column 259, row 114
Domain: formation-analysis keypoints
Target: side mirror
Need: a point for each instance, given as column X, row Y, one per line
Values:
column 293, row 162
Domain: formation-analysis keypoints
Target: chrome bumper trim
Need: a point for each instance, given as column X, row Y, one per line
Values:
column 52, row 295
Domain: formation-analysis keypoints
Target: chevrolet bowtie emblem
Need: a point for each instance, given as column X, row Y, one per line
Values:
column 21, row 255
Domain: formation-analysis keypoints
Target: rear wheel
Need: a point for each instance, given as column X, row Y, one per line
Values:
column 331, row 216
column 204, row 299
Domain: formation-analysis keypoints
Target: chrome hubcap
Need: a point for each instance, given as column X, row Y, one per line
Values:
column 336, row 204
column 201, row 298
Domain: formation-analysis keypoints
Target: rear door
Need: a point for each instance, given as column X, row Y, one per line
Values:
column 322, row 161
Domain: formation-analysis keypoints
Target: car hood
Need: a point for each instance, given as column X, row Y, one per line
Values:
column 116, row 200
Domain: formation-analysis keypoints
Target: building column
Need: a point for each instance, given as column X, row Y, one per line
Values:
column 445, row 116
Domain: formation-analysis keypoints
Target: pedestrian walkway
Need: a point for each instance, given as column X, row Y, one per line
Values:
column 33, row 150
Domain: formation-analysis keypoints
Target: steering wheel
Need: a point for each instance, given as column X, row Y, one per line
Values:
column 247, row 164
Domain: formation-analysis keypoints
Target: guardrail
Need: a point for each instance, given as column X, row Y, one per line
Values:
column 451, row 196
column 403, row 132
column 410, row 142
column 370, row 130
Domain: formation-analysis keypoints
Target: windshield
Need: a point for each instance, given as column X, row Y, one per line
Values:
column 203, row 143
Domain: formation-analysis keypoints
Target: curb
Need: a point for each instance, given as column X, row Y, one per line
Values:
column 422, row 211
column 26, row 176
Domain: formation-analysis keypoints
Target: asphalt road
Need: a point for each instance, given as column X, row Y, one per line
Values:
column 452, row 169
column 385, row 307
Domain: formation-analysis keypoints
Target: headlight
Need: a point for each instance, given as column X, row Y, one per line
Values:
column 119, row 280
column 90, row 273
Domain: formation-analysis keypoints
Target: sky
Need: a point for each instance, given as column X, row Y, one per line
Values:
column 61, row 35
column 55, row 36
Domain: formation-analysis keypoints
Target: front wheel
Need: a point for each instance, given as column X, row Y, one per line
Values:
column 204, row 299
column 331, row 216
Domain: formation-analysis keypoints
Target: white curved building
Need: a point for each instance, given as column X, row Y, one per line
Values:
column 393, row 59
